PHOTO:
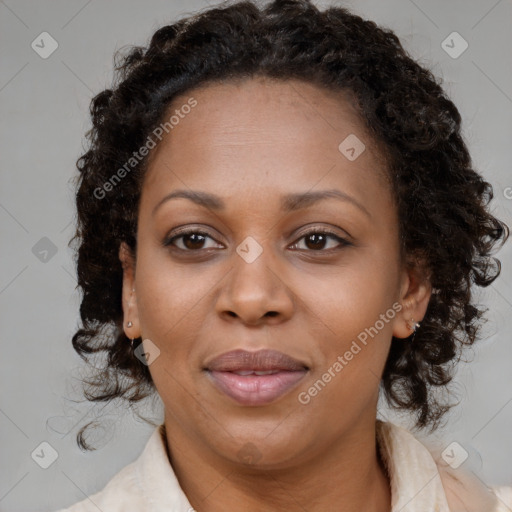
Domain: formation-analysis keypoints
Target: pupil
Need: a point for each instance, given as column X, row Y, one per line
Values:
column 320, row 240
column 195, row 238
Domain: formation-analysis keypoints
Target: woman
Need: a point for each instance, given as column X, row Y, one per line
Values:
column 278, row 219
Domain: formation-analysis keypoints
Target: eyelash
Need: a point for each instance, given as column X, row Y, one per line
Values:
column 315, row 231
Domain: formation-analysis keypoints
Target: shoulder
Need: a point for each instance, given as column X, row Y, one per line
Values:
column 464, row 489
column 125, row 490
column 465, row 492
column 122, row 492
column 145, row 485
column 418, row 471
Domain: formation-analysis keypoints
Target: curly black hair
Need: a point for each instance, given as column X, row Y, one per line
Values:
column 442, row 202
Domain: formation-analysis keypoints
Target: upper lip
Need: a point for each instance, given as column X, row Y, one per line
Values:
column 262, row 360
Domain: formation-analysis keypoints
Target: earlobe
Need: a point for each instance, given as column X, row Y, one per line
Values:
column 408, row 321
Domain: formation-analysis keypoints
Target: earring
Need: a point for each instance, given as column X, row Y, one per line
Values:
column 129, row 324
column 414, row 326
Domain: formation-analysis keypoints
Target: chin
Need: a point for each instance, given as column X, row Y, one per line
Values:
column 264, row 447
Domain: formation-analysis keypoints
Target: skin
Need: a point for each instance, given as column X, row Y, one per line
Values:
column 250, row 143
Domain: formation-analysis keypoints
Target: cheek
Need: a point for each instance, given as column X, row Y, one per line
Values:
column 171, row 298
column 354, row 344
column 352, row 296
column 171, row 307
column 355, row 315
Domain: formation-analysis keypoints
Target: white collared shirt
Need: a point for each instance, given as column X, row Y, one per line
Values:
column 418, row 482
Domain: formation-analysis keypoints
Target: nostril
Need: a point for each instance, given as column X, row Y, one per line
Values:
column 271, row 313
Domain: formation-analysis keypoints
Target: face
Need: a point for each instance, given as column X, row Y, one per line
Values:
column 269, row 273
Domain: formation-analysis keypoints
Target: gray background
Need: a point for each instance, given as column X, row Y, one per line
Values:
column 44, row 112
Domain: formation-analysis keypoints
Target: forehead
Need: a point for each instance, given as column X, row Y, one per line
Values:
column 264, row 135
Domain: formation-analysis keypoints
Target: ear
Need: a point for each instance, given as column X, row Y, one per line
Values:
column 415, row 293
column 129, row 298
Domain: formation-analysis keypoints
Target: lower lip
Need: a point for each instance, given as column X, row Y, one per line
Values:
column 256, row 389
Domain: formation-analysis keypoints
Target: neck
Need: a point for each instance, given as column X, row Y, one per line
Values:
column 350, row 473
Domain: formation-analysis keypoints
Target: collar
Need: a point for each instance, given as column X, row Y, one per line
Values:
column 416, row 484
column 156, row 478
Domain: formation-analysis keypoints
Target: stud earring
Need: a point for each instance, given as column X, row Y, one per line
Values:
column 413, row 325
column 129, row 324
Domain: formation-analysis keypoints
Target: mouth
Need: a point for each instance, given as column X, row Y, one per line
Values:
column 255, row 378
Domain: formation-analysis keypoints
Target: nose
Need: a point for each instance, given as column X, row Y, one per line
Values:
column 255, row 293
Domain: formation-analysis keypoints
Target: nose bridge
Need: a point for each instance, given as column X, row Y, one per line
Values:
column 254, row 287
column 253, row 274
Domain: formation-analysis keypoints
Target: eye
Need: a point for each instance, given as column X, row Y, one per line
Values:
column 316, row 239
column 191, row 240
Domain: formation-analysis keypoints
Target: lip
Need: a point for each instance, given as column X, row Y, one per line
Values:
column 282, row 374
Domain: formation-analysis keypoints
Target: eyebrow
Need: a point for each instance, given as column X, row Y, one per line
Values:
column 289, row 202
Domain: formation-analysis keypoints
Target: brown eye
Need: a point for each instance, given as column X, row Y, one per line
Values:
column 318, row 239
column 193, row 241
column 188, row 240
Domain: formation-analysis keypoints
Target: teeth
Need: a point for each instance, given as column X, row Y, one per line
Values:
column 254, row 372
